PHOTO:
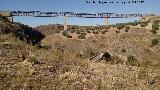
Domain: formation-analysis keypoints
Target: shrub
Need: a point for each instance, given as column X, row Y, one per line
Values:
column 88, row 31
column 108, row 27
column 133, row 23
column 154, row 31
column 89, row 52
column 144, row 24
column 127, row 27
column 120, row 27
column 152, row 15
column 115, row 60
column 155, row 25
column 64, row 33
column 123, row 50
column 117, row 31
column 74, row 27
column 78, row 55
column 5, row 30
column 33, row 60
column 28, row 34
column 126, row 30
column 103, row 32
column 57, row 31
column 95, row 32
column 81, row 36
column 131, row 60
column 78, row 32
column 154, row 42
column 68, row 36
column 72, row 31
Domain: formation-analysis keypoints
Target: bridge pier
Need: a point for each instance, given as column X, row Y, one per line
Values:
column 106, row 21
column 7, row 14
column 65, row 23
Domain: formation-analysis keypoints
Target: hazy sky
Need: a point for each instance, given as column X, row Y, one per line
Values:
column 148, row 7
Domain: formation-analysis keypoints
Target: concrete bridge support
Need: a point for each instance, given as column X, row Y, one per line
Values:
column 65, row 22
column 106, row 21
column 7, row 14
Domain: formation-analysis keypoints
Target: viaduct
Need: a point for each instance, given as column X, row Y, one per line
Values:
column 10, row 14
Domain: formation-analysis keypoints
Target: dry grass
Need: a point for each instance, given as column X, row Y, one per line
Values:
column 62, row 67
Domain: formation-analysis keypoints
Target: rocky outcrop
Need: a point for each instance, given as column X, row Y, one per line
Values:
column 101, row 56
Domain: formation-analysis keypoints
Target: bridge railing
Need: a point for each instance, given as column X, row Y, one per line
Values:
column 72, row 14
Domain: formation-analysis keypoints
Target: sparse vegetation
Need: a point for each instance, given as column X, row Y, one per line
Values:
column 63, row 63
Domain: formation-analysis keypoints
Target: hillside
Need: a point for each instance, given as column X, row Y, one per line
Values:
column 48, row 58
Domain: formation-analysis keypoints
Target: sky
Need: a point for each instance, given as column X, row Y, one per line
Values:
column 79, row 6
